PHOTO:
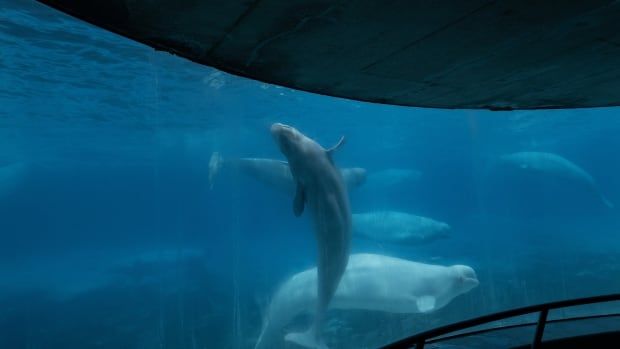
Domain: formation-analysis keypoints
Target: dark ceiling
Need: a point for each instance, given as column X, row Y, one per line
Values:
column 507, row 54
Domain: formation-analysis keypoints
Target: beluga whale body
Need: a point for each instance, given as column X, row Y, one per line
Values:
column 398, row 227
column 274, row 173
column 320, row 186
column 553, row 165
column 370, row 282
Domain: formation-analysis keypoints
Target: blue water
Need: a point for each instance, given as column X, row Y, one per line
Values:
column 110, row 236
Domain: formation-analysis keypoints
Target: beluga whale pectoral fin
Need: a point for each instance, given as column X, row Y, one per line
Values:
column 426, row 303
column 299, row 200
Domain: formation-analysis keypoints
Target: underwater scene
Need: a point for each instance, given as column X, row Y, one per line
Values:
column 150, row 202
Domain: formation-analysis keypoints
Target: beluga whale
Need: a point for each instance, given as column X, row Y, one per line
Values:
column 274, row 173
column 551, row 164
column 319, row 186
column 371, row 282
column 398, row 227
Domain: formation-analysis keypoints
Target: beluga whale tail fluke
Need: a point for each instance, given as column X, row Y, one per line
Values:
column 320, row 186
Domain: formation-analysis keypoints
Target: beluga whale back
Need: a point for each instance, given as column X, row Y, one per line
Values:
column 319, row 186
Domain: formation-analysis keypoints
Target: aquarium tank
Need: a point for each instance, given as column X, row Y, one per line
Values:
column 147, row 201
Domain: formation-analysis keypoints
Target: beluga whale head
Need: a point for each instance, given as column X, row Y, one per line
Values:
column 289, row 140
column 466, row 278
column 293, row 144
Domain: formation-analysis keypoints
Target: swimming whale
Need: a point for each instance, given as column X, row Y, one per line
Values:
column 398, row 227
column 370, row 282
column 275, row 173
column 320, row 186
column 554, row 165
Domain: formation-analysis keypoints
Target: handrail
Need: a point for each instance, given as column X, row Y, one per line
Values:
column 418, row 340
column 519, row 325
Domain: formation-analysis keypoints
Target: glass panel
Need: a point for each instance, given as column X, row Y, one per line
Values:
column 134, row 212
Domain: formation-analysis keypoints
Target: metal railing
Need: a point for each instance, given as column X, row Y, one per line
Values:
column 420, row 339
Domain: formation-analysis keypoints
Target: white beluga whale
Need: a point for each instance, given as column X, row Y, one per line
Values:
column 275, row 173
column 370, row 282
column 398, row 227
column 553, row 165
column 320, row 186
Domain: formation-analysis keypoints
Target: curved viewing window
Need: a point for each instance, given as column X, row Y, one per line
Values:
column 131, row 216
